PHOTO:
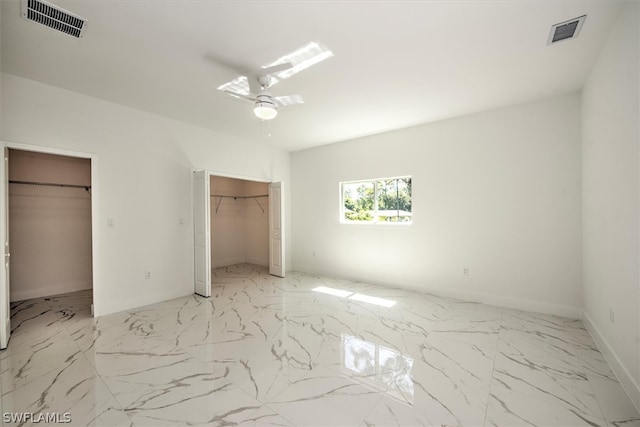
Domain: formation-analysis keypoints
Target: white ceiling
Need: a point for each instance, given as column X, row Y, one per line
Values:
column 395, row 63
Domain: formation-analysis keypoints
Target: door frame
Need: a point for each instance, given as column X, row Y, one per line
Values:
column 201, row 232
column 95, row 230
column 211, row 173
column 277, row 239
column 5, row 269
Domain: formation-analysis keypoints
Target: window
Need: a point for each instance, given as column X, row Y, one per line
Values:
column 384, row 200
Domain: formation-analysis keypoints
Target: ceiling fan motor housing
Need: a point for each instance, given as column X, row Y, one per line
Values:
column 265, row 81
column 267, row 100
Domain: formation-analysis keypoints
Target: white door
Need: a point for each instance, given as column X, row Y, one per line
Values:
column 5, row 312
column 202, row 233
column 276, row 229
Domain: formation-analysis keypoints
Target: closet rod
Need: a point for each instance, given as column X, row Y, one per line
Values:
column 49, row 184
column 240, row 197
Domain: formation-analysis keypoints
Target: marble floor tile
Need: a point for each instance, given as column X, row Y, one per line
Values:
column 57, row 354
column 510, row 408
column 305, row 350
column 544, row 382
column 218, row 406
column 614, row 403
column 326, row 398
column 425, row 404
column 74, row 389
column 34, row 316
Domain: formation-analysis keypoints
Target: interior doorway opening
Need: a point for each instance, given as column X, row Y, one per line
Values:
column 239, row 222
column 247, row 208
column 50, row 235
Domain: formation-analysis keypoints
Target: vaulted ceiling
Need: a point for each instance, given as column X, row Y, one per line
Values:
column 395, row 63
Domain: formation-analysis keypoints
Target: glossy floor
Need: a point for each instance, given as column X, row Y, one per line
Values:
column 305, row 350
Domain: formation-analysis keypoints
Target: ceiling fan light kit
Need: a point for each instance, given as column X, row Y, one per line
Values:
column 265, row 108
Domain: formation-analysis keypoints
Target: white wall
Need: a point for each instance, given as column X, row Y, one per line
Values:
column 611, row 199
column 50, row 227
column 239, row 227
column 497, row 192
column 142, row 180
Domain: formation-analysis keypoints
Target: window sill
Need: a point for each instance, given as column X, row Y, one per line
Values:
column 376, row 224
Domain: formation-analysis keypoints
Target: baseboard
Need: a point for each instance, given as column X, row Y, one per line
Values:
column 125, row 304
column 618, row 368
column 257, row 261
column 18, row 294
column 234, row 261
column 480, row 297
column 510, row 302
column 227, row 261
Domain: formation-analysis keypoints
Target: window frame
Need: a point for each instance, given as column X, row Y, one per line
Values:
column 375, row 221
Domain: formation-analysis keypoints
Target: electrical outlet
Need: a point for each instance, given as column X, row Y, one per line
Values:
column 612, row 316
column 147, row 275
column 466, row 272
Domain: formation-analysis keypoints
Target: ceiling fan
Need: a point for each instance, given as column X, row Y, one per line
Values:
column 254, row 85
column 265, row 104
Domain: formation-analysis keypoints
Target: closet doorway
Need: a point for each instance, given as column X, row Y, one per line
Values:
column 236, row 220
column 239, row 221
column 48, row 236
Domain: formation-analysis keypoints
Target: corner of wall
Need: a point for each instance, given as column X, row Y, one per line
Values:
column 617, row 366
column 611, row 200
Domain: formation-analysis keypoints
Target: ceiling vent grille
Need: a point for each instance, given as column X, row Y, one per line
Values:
column 566, row 30
column 53, row 17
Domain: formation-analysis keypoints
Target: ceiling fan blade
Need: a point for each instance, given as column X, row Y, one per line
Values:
column 284, row 101
column 240, row 96
column 254, row 85
column 275, row 68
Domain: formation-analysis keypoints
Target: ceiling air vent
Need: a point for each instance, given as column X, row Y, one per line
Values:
column 53, row 17
column 566, row 30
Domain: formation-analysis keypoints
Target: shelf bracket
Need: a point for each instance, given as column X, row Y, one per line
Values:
column 261, row 208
